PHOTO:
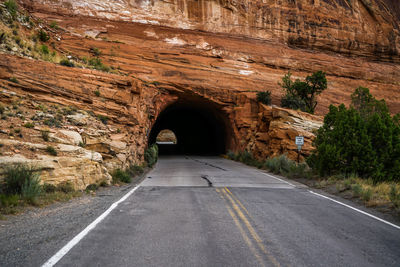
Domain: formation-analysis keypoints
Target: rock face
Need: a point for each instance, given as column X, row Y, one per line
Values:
column 217, row 53
column 361, row 27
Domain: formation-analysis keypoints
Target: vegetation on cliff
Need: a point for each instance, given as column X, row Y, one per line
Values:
column 264, row 97
column 302, row 94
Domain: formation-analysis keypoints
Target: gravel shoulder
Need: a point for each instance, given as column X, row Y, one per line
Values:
column 31, row 238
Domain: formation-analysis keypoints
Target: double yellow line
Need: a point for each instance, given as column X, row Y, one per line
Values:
column 238, row 213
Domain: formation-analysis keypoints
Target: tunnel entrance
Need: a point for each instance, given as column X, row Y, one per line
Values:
column 200, row 129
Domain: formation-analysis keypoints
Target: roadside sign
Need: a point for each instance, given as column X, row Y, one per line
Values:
column 299, row 140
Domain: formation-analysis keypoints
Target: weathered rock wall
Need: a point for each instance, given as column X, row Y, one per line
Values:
column 358, row 27
column 92, row 134
column 88, row 149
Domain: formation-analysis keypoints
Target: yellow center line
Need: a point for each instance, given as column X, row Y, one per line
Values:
column 242, row 231
column 240, row 203
column 251, row 229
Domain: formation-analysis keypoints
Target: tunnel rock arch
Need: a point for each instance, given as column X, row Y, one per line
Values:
column 201, row 127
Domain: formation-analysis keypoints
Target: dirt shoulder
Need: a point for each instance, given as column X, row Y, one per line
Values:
column 377, row 203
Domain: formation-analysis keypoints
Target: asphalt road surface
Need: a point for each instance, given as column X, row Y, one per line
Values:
column 202, row 211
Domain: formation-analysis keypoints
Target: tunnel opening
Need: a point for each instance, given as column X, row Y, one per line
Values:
column 200, row 127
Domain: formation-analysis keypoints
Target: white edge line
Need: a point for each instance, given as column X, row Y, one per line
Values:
column 278, row 179
column 360, row 211
column 62, row 252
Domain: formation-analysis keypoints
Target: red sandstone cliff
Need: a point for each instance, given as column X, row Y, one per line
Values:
column 367, row 28
column 219, row 53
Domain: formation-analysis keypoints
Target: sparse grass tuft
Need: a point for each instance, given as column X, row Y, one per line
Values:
column 49, row 188
column 44, row 49
column 151, row 155
column 135, row 170
column 119, row 175
column 54, row 25
column 92, row 187
column 103, row 119
column 45, row 135
column 29, row 125
column 12, row 7
column 14, row 80
column 51, row 150
column 394, row 195
column 97, row 64
column 95, row 51
column 66, row 187
column 43, row 36
column 67, row 63
column 22, row 179
column 357, row 190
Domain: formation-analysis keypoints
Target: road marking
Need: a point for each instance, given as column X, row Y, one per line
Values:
column 252, row 231
column 360, row 211
column 278, row 179
column 62, row 252
column 240, row 203
column 242, row 231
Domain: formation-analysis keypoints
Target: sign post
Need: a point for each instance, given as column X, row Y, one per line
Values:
column 299, row 143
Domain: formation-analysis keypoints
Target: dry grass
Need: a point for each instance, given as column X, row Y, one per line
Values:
column 373, row 195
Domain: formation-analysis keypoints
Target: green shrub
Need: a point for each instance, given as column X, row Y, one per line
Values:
column 29, row 125
column 119, row 175
column 103, row 119
column 53, row 122
column 97, row 93
column 246, row 157
column 357, row 190
column 82, row 144
column 264, row 97
column 135, row 170
column 19, row 177
column 65, row 187
column 45, row 135
column 151, row 155
column 103, row 183
column 97, row 64
column 394, row 196
column 366, row 194
column 49, row 188
column 280, row 165
column 67, row 63
column 12, row 7
column 44, row 49
column 92, row 187
column 51, row 150
column 43, row 36
column 302, row 94
column 31, row 189
column 14, row 80
column 54, row 25
column 232, row 155
column 95, row 51
column 8, row 200
column 364, row 141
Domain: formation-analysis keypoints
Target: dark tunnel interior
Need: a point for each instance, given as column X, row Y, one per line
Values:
column 199, row 129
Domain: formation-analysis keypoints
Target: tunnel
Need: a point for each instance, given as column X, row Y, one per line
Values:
column 200, row 127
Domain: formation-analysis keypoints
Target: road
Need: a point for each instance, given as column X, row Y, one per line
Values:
column 209, row 211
